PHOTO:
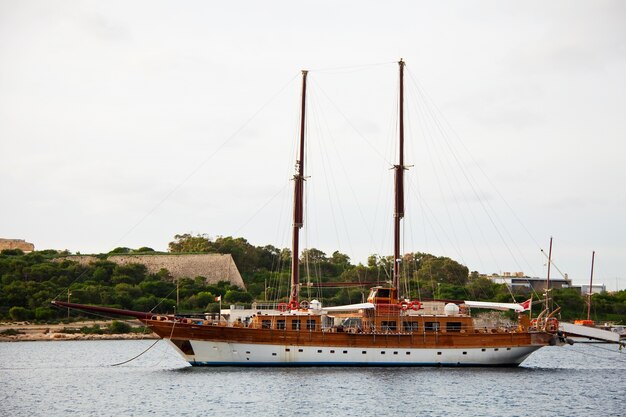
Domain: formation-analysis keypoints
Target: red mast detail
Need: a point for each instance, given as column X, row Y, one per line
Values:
column 399, row 188
column 298, row 205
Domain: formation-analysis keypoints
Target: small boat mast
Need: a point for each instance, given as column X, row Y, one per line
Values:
column 399, row 169
column 590, row 292
column 298, row 206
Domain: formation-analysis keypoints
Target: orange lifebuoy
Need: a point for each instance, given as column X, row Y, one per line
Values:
column 283, row 307
column 552, row 324
column 294, row 305
column 404, row 306
column 415, row 305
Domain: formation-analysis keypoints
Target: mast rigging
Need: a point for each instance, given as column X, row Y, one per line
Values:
column 298, row 204
column 398, row 214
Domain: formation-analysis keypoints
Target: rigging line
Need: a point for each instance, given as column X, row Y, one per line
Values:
column 206, row 160
column 428, row 212
column 426, row 114
column 352, row 68
column 437, row 158
column 353, row 127
column 431, row 116
column 552, row 262
column 343, row 168
column 471, row 156
column 132, row 359
column 67, row 287
column 593, row 345
column 488, row 210
column 328, row 169
column 595, row 356
column 261, row 208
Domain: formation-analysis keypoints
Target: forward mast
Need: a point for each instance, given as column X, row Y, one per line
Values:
column 298, row 203
column 399, row 169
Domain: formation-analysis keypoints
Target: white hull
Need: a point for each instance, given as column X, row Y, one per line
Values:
column 207, row 353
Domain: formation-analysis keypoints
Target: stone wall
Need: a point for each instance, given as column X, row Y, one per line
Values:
column 16, row 244
column 214, row 267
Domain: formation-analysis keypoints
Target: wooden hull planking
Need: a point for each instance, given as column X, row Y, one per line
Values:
column 202, row 345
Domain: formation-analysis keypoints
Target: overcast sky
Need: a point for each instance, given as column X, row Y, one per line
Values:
column 123, row 123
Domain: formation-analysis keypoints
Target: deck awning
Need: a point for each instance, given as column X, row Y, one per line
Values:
column 350, row 307
column 495, row 306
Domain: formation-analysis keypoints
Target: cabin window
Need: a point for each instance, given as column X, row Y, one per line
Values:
column 300, row 350
column 382, row 292
column 266, row 324
column 410, row 326
column 345, row 351
column 295, row 325
column 431, row 326
column 310, row 324
column 453, row 326
column 388, row 326
column 280, row 324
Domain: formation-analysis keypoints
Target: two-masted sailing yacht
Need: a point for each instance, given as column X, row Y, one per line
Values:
column 384, row 331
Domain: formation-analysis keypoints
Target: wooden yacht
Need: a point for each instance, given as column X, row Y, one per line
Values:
column 387, row 330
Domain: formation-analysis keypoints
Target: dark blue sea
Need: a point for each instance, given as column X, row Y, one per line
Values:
column 75, row 378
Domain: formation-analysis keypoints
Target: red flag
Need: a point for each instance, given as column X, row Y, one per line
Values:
column 218, row 298
column 526, row 304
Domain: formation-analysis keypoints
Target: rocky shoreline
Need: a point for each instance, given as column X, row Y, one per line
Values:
column 28, row 332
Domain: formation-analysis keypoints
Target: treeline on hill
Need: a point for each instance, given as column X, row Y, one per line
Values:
column 30, row 281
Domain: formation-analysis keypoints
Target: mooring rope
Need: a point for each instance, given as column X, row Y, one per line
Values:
column 132, row 359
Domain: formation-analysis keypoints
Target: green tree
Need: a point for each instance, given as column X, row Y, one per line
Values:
column 121, row 250
column 187, row 243
column 20, row 313
column 119, row 327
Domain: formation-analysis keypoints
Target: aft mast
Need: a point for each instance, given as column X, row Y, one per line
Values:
column 590, row 292
column 298, row 205
column 398, row 214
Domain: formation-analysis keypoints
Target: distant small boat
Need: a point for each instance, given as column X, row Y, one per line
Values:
column 387, row 330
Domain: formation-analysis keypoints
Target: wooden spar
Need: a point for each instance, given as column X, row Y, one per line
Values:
column 298, row 202
column 399, row 187
column 548, row 277
column 108, row 310
column 593, row 257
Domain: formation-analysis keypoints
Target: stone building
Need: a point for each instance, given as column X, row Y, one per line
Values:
column 214, row 267
column 21, row 244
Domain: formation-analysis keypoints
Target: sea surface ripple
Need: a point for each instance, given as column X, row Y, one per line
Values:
column 68, row 378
